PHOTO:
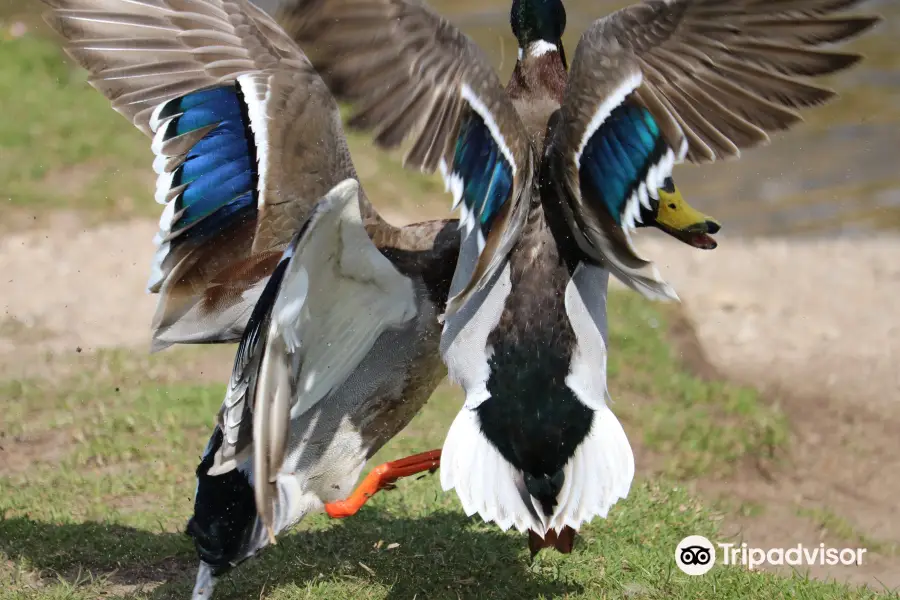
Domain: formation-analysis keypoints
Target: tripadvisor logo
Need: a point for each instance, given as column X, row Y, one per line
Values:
column 696, row 555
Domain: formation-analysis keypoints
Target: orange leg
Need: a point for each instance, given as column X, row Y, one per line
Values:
column 382, row 477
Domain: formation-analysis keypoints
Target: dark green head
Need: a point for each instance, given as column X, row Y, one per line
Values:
column 536, row 20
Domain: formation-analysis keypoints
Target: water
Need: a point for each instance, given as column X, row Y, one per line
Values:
column 837, row 173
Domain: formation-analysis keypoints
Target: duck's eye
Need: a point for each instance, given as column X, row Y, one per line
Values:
column 672, row 205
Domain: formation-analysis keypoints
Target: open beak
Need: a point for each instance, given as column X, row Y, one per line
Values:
column 682, row 221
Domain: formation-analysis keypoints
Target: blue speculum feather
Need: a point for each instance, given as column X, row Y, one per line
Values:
column 487, row 176
column 220, row 169
column 617, row 158
column 238, row 210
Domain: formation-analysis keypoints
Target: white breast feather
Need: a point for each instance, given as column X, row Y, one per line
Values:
column 467, row 353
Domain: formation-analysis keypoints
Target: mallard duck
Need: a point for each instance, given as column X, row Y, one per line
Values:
column 550, row 174
column 339, row 353
column 266, row 237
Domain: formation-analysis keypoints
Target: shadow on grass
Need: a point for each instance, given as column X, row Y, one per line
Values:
column 442, row 555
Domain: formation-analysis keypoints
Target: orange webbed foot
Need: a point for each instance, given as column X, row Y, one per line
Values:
column 383, row 477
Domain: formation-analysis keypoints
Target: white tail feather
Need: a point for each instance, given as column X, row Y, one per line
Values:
column 484, row 481
column 596, row 477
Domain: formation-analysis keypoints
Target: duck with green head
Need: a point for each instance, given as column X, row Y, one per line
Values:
column 551, row 173
column 539, row 26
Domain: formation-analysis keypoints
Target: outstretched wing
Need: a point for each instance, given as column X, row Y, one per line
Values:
column 330, row 298
column 667, row 80
column 246, row 138
column 413, row 76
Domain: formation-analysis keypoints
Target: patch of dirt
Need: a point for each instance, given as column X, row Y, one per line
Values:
column 833, row 484
column 135, row 580
column 19, row 453
column 752, row 315
column 814, row 317
column 74, row 179
column 16, row 331
column 19, row 575
column 683, row 336
column 17, row 219
column 84, row 287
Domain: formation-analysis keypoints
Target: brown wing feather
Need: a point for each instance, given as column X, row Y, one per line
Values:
column 141, row 53
column 413, row 76
column 202, row 43
column 730, row 72
column 716, row 75
column 400, row 63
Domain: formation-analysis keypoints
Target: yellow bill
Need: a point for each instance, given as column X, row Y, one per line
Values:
column 682, row 221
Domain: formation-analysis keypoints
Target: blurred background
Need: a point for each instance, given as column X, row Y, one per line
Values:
column 766, row 406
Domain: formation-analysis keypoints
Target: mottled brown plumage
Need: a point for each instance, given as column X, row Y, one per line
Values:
column 427, row 253
column 537, row 88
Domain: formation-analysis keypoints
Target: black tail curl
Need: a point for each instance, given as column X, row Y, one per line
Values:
column 224, row 513
column 545, row 489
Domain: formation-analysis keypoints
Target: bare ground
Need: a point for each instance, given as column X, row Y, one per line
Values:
column 810, row 324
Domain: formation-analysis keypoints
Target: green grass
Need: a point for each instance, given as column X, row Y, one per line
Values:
column 699, row 426
column 100, row 508
column 61, row 145
column 441, row 554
